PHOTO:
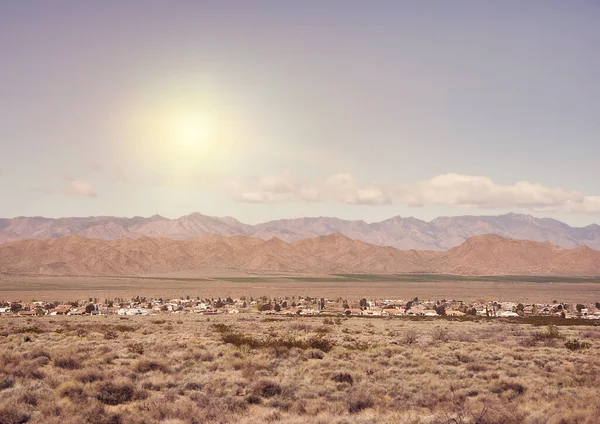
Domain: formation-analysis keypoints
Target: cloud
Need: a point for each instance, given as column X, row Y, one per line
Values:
column 446, row 189
column 338, row 188
column 77, row 188
column 482, row 192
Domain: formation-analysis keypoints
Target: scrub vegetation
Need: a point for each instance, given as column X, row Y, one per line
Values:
column 249, row 368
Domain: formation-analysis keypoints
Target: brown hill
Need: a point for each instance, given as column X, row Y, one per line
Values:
column 480, row 255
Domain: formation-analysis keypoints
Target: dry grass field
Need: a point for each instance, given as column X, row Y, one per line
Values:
column 249, row 368
column 213, row 284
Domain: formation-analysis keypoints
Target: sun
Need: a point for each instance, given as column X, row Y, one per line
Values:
column 193, row 130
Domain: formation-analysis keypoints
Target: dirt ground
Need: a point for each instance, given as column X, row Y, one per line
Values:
column 73, row 288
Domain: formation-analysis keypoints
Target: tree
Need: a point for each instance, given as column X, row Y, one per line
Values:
column 597, row 305
column 277, row 308
column 284, row 304
column 89, row 308
column 520, row 309
column 580, row 307
column 346, row 306
column 363, row 303
column 440, row 310
column 15, row 307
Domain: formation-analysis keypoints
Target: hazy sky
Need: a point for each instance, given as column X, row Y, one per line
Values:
column 269, row 109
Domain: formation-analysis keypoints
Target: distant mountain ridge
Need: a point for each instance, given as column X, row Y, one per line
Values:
column 440, row 234
column 334, row 253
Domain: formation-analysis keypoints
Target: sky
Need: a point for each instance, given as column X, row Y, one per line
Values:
column 277, row 109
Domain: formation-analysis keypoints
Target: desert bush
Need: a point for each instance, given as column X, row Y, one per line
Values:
column 158, row 321
column 122, row 328
column 359, row 345
column 146, row 365
column 343, row 377
column 89, row 375
column 358, row 400
column 110, row 335
column 67, row 362
column 38, row 353
column 266, row 388
column 253, row 400
column 577, row 345
column 410, row 337
column 440, row 334
column 512, row 388
column 137, row 348
column 551, row 333
column 6, row 382
column 72, row 390
column 115, row 393
column 13, row 414
column 315, row 354
column 193, row 385
column 219, row 327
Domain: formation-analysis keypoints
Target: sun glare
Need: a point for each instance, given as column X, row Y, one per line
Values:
column 191, row 129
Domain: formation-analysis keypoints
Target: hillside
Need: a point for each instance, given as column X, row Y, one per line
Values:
column 481, row 255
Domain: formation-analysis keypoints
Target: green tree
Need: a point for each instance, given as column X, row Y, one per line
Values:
column 15, row 307
column 89, row 308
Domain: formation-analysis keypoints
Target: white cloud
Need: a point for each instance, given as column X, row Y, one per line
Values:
column 338, row 188
column 447, row 189
column 78, row 188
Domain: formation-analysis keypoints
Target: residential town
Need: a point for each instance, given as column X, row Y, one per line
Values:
column 300, row 306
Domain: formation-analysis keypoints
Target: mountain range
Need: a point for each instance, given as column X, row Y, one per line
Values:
column 439, row 234
column 334, row 253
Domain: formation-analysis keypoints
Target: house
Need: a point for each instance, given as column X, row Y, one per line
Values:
column 507, row 314
column 61, row 310
column 455, row 314
column 392, row 312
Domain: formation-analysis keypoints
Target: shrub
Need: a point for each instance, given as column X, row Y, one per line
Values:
column 6, row 383
column 110, row 335
column 115, row 394
column 72, row 390
column 67, row 362
column 12, row 414
column 516, row 389
column 315, row 354
column 410, row 337
column 253, row 400
column 440, row 334
column 343, row 377
column 89, row 375
column 266, row 388
column 137, row 348
column 551, row 333
column 359, row 400
column 122, row 328
column 577, row 345
column 146, row 365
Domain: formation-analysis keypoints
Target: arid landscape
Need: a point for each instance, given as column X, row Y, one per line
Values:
column 335, row 253
column 250, row 368
column 299, row 212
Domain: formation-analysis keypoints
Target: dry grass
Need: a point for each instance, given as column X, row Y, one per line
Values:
column 222, row 369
